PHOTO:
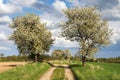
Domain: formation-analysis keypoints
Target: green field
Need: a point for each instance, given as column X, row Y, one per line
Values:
column 58, row 74
column 31, row 71
column 97, row 71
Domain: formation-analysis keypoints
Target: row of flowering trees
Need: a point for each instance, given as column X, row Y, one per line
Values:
column 83, row 25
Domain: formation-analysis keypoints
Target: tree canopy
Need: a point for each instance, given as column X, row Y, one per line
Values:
column 61, row 54
column 86, row 26
column 31, row 35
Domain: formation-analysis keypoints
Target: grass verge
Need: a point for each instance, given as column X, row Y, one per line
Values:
column 58, row 74
column 28, row 72
column 97, row 71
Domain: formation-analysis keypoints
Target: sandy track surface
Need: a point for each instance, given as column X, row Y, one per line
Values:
column 48, row 74
column 9, row 65
column 68, row 74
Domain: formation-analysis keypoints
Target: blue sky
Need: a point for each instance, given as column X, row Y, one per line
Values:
column 50, row 11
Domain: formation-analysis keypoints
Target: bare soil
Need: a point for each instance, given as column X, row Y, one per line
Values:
column 48, row 74
column 68, row 73
column 9, row 65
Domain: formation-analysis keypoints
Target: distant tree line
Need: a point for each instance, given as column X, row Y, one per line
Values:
column 110, row 60
column 107, row 60
column 78, row 57
column 13, row 58
column 27, row 58
column 56, row 55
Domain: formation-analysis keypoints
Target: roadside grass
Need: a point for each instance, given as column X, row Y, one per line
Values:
column 31, row 71
column 97, row 71
column 58, row 74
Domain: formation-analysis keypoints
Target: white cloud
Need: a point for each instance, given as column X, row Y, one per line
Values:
column 48, row 22
column 28, row 2
column 5, row 20
column 3, row 36
column 56, row 32
column 52, row 22
column 8, row 8
column 116, row 31
column 115, row 37
column 111, row 14
column 5, row 29
column 4, row 48
column 23, row 3
column 59, row 5
column 61, row 42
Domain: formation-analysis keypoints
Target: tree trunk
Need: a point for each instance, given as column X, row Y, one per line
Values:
column 83, row 61
column 36, row 58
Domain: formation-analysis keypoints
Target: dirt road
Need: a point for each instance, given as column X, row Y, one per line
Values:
column 9, row 65
column 68, row 73
column 48, row 74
